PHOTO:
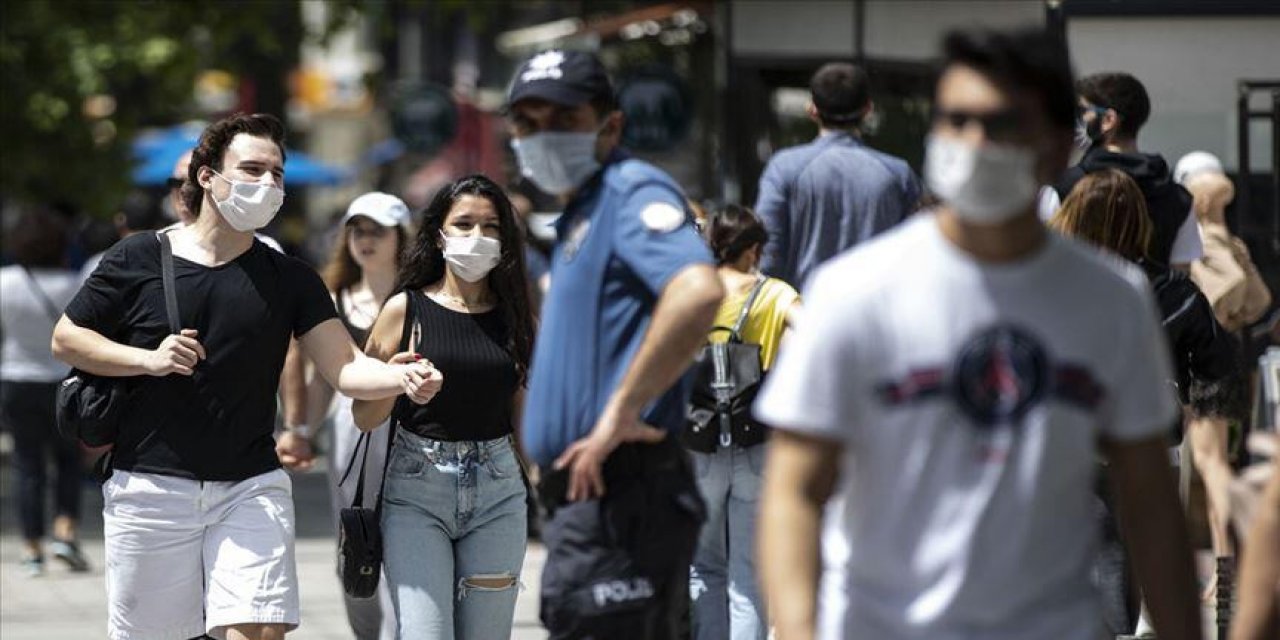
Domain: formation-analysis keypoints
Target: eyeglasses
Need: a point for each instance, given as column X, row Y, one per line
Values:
column 174, row 183
column 999, row 126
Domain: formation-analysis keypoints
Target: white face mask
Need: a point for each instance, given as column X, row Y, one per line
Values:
column 471, row 257
column 983, row 185
column 556, row 161
column 251, row 205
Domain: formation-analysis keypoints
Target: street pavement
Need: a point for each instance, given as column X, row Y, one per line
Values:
column 62, row 605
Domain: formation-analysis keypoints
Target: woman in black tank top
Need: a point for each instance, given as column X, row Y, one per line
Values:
column 360, row 275
column 454, row 517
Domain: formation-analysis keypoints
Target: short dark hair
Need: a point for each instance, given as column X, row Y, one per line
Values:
column 1122, row 93
column 840, row 93
column 733, row 229
column 141, row 212
column 1028, row 59
column 38, row 238
column 213, row 145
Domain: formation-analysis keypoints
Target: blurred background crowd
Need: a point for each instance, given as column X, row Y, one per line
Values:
column 101, row 98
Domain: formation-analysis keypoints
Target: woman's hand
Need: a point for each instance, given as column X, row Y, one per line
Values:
column 422, row 381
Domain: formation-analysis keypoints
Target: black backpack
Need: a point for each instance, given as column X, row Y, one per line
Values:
column 89, row 407
column 726, row 378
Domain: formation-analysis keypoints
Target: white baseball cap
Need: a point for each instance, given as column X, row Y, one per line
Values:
column 1193, row 163
column 383, row 208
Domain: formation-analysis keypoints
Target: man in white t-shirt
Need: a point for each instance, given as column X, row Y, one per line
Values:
column 942, row 403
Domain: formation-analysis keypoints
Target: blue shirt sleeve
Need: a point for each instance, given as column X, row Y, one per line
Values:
column 652, row 245
column 771, row 207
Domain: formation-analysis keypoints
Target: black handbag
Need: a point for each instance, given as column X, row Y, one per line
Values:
column 359, row 527
column 726, row 378
column 89, row 406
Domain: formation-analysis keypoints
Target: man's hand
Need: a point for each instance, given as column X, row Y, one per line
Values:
column 422, row 381
column 294, row 451
column 585, row 458
column 178, row 354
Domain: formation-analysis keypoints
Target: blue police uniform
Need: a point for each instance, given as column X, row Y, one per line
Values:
column 620, row 240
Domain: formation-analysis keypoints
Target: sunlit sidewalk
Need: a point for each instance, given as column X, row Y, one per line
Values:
column 63, row 605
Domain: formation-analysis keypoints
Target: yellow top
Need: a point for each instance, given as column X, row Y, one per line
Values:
column 766, row 322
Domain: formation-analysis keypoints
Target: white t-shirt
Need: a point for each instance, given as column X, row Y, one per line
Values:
column 969, row 398
column 27, row 323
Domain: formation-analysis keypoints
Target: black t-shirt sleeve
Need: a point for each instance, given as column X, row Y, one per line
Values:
column 101, row 303
column 314, row 304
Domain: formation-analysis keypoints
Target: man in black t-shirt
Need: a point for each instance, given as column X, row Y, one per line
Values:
column 198, row 515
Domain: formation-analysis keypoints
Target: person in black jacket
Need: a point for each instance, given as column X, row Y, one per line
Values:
column 1107, row 209
column 1112, row 109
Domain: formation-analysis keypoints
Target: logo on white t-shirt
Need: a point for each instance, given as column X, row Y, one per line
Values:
column 998, row 375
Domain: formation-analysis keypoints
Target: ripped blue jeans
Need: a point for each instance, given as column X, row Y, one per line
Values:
column 454, row 533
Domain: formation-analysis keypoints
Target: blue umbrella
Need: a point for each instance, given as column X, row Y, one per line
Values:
column 159, row 150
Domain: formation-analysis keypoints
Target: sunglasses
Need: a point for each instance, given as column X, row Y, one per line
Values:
column 999, row 126
column 174, row 183
column 1091, row 108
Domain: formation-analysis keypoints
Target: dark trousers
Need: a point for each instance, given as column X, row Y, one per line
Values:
column 1111, row 571
column 618, row 567
column 28, row 411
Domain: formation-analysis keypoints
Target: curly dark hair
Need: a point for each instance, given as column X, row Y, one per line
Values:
column 213, row 146
column 424, row 264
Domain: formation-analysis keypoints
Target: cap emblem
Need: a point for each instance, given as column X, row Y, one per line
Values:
column 544, row 66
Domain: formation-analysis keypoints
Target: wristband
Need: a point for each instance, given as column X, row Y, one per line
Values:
column 301, row 430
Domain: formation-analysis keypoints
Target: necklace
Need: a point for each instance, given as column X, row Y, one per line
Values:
column 459, row 300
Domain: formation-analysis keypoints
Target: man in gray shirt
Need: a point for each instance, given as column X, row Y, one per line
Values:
column 820, row 198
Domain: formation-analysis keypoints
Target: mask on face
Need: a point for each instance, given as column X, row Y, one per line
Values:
column 556, row 161
column 471, row 257
column 1082, row 140
column 983, row 185
column 251, row 205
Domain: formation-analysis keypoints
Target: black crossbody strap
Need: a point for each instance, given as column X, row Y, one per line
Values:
column 352, row 461
column 170, row 288
column 358, row 500
column 415, row 336
column 49, row 307
column 746, row 309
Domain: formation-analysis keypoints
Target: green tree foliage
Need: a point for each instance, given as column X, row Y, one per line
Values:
column 135, row 63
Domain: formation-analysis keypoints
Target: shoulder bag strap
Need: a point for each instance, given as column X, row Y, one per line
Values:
column 358, row 500
column 170, row 289
column 746, row 309
column 415, row 336
column 49, row 307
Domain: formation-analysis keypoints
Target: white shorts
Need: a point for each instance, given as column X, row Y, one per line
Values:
column 186, row 557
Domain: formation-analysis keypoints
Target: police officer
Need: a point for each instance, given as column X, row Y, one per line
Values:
column 634, row 293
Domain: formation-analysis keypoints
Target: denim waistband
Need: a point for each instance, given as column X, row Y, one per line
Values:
column 452, row 449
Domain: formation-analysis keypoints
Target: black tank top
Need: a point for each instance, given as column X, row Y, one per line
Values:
column 479, row 374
